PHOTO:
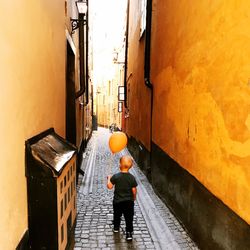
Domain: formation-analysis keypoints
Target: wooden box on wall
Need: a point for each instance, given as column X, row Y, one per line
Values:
column 51, row 189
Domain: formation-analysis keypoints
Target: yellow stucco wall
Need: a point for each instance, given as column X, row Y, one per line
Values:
column 138, row 95
column 200, row 70
column 32, row 97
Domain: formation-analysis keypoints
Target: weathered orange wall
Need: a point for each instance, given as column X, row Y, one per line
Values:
column 139, row 96
column 200, row 70
column 32, row 97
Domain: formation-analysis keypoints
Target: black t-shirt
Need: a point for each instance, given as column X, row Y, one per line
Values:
column 124, row 182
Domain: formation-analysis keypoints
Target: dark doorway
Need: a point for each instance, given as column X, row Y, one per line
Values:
column 70, row 96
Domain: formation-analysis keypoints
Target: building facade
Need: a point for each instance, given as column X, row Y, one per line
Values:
column 188, row 101
column 108, row 59
column 107, row 104
column 78, row 78
column 39, row 78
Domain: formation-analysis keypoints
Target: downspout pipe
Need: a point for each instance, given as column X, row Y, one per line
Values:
column 148, row 45
column 148, row 82
column 126, row 56
column 87, row 57
column 81, row 54
column 82, row 82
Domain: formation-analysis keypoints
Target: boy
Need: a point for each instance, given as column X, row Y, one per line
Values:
column 124, row 196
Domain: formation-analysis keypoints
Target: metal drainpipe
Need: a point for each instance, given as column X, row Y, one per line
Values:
column 82, row 81
column 126, row 57
column 147, row 69
column 148, row 45
column 81, row 53
column 87, row 56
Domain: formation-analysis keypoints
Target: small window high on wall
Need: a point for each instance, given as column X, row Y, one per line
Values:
column 143, row 16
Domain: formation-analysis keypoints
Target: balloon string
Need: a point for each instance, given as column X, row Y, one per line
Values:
column 110, row 163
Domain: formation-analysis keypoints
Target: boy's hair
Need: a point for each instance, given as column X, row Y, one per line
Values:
column 126, row 162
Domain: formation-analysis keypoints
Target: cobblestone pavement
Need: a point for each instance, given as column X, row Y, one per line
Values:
column 95, row 214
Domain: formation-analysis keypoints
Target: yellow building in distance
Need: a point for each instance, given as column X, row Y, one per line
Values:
column 108, row 59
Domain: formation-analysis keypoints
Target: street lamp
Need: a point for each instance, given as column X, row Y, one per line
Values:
column 82, row 7
column 82, row 10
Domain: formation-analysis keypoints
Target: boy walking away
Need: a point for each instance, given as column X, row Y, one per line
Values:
column 124, row 196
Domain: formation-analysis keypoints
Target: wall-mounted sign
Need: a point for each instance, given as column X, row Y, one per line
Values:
column 120, row 105
column 121, row 93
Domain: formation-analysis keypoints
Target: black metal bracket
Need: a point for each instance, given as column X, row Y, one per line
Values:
column 75, row 23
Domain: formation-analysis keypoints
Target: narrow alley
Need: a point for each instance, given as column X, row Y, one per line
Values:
column 155, row 227
column 89, row 87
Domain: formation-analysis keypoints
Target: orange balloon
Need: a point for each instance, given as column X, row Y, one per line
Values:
column 117, row 142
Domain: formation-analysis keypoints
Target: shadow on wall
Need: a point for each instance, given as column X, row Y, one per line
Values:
column 141, row 156
column 211, row 223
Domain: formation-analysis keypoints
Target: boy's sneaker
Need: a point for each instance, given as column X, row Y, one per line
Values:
column 129, row 236
column 116, row 230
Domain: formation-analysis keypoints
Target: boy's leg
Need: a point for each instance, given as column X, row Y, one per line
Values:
column 128, row 211
column 117, row 215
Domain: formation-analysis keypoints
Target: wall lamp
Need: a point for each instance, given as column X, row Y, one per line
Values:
column 82, row 10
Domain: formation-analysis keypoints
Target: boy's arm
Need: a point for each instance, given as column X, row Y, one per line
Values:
column 109, row 184
column 134, row 191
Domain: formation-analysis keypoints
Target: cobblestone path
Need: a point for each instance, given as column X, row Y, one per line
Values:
column 154, row 225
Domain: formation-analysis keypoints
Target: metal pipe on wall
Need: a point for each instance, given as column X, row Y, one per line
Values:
column 87, row 57
column 147, row 67
column 82, row 54
column 126, row 56
column 148, row 45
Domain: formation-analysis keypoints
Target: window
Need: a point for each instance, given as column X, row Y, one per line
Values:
column 61, row 187
column 121, row 93
column 120, row 107
column 65, row 201
column 65, row 181
column 109, row 88
column 143, row 16
column 61, row 208
column 69, row 194
column 62, row 233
